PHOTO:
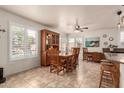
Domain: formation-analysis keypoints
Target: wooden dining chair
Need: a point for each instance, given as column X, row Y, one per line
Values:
column 71, row 63
column 76, row 51
column 56, row 64
column 85, row 51
column 87, row 56
column 68, row 64
column 74, row 61
column 109, row 75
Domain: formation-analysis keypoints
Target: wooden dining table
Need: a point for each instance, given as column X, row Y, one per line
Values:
column 65, row 57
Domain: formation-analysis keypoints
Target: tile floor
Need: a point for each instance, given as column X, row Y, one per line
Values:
column 85, row 76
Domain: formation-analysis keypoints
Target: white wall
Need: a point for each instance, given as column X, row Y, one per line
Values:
column 99, row 33
column 121, row 45
column 19, row 65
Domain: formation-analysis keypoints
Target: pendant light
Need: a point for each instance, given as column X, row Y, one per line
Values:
column 121, row 19
column 119, row 14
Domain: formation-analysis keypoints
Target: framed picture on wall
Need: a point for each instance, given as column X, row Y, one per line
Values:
column 92, row 42
column 111, row 38
column 104, row 35
column 105, row 43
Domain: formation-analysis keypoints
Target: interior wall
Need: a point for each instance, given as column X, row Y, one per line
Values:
column 121, row 44
column 99, row 33
column 18, row 65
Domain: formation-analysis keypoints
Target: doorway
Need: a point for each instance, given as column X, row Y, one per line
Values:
column 76, row 41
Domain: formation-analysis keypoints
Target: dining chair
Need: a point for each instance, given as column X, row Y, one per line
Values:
column 86, row 55
column 56, row 64
column 85, row 51
column 68, row 64
column 74, row 61
column 76, row 51
column 108, row 75
column 71, row 63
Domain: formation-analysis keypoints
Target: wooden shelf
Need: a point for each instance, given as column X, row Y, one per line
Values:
column 48, row 39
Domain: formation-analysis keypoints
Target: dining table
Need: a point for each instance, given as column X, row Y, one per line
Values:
column 65, row 58
column 65, row 55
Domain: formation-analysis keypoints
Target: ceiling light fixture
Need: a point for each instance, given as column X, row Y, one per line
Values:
column 121, row 19
column 78, row 28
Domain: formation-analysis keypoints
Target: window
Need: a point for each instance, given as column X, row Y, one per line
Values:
column 23, row 42
column 122, row 37
column 63, row 43
column 79, row 42
column 71, row 43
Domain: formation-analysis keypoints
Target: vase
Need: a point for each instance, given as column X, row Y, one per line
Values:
column 111, row 49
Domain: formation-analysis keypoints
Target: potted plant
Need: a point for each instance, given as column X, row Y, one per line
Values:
column 112, row 47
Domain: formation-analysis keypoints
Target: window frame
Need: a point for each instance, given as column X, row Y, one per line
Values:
column 26, row 28
column 71, row 41
column 121, row 37
column 36, row 40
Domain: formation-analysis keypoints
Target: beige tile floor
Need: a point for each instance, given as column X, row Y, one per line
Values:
column 85, row 76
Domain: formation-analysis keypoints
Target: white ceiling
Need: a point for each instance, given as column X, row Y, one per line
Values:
column 62, row 17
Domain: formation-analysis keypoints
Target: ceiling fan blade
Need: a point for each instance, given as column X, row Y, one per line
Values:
column 81, row 30
column 84, row 28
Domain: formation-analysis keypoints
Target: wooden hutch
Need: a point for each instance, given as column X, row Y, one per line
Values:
column 48, row 39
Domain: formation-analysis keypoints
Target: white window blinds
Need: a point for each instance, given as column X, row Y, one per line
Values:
column 23, row 42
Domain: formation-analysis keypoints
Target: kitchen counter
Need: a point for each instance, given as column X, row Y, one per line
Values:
column 116, row 57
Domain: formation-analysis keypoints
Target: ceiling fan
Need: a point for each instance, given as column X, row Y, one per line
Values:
column 78, row 28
